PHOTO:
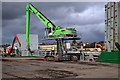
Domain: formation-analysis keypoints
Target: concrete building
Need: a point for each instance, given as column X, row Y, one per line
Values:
column 112, row 25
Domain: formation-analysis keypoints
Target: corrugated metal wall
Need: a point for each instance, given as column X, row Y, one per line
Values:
column 112, row 25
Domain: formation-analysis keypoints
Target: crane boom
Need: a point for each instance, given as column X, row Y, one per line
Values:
column 31, row 8
column 97, row 45
column 15, row 38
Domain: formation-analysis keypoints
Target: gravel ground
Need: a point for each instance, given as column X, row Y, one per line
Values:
column 26, row 68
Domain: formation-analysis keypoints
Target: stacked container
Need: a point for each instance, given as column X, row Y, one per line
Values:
column 112, row 25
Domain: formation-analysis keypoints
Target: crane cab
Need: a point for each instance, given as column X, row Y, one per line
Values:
column 49, row 31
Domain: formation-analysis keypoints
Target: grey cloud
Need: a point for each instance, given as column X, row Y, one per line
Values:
column 12, row 10
column 62, row 10
column 91, row 33
column 84, row 18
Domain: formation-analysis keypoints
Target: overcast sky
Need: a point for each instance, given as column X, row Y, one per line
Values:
column 87, row 18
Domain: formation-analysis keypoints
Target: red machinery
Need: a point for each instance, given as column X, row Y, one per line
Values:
column 15, row 38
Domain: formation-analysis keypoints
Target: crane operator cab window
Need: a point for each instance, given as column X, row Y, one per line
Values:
column 50, row 30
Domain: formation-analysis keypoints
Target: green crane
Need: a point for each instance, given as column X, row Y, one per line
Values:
column 51, row 29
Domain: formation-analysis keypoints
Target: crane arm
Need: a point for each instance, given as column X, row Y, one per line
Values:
column 102, row 47
column 15, row 38
column 31, row 8
column 97, row 45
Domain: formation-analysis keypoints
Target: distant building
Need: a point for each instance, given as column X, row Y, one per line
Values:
column 47, row 47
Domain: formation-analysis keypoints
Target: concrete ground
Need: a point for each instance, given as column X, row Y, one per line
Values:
column 30, row 68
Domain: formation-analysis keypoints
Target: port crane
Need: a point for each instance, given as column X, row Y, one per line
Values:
column 51, row 29
column 52, row 32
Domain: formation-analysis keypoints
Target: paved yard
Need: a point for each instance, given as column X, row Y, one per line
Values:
column 25, row 68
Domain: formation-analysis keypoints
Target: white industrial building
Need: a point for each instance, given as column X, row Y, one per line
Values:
column 33, row 44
